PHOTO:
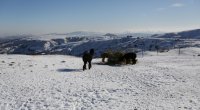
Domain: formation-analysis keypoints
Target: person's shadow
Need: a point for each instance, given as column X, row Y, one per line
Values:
column 69, row 70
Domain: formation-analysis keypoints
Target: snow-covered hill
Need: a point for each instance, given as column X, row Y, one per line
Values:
column 166, row 81
column 191, row 34
column 77, row 42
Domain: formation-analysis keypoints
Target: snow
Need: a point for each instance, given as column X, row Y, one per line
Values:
column 166, row 81
column 76, row 43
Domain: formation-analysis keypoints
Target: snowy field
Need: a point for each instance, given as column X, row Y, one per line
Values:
column 56, row 82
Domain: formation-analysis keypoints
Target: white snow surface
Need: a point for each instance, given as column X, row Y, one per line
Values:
column 166, row 81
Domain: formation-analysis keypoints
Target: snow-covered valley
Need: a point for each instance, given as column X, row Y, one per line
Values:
column 76, row 43
column 166, row 81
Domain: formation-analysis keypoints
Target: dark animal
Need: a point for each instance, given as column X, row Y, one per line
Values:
column 87, row 58
column 105, row 55
column 130, row 57
column 113, row 57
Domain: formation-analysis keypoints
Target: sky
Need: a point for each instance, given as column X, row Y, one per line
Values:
column 115, row 16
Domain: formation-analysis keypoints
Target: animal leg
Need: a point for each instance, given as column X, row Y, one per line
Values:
column 89, row 65
column 103, row 59
column 84, row 66
column 133, row 61
column 127, row 61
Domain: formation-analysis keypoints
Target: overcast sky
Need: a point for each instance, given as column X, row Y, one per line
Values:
column 48, row 16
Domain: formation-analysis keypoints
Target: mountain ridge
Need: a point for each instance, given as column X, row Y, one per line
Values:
column 76, row 45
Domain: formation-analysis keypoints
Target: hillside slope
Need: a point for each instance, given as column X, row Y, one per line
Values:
column 58, row 82
column 78, row 42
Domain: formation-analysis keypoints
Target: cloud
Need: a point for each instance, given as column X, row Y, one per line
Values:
column 174, row 5
column 177, row 5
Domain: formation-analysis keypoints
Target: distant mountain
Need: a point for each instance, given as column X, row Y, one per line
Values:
column 135, row 35
column 77, row 33
column 191, row 34
column 5, row 39
column 76, row 43
column 195, row 34
column 166, row 35
column 83, row 33
column 110, row 35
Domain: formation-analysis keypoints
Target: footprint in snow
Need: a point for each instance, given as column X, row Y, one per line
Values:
column 63, row 61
